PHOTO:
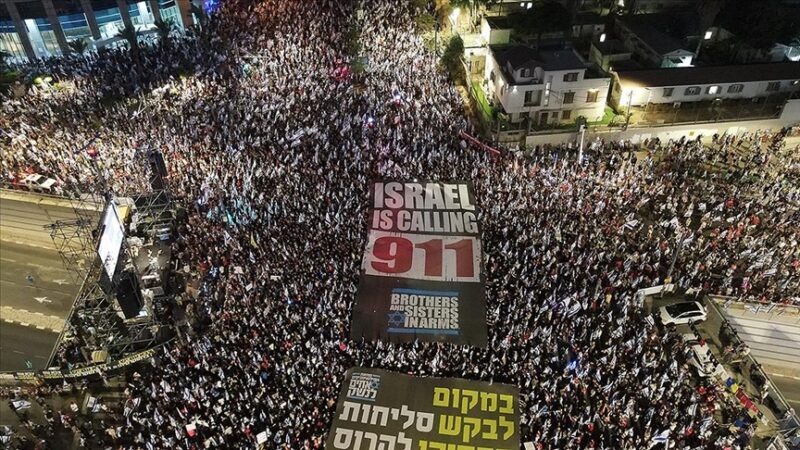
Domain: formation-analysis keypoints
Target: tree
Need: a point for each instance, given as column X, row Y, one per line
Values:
column 78, row 45
column 425, row 23
column 545, row 16
column 707, row 11
column 4, row 57
column 419, row 4
column 164, row 28
column 451, row 58
column 129, row 34
column 759, row 25
column 471, row 6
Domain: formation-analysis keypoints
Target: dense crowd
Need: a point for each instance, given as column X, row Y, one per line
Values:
column 272, row 151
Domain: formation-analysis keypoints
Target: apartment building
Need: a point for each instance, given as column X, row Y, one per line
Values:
column 544, row 86
column 697, row 84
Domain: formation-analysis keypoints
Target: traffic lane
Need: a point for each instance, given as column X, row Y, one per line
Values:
column 19, row 344
column 789, row 387
column 27, row 220
column 53, row 288
column 32, row 213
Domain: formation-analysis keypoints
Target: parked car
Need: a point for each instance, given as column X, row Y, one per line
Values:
column 700, row 357
column 682, row 313
column 38, row 183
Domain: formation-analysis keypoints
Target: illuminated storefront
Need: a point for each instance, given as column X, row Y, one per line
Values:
column 76, row 23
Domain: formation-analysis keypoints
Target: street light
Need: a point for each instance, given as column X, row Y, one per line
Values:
column 582, row 125
column 628, row 116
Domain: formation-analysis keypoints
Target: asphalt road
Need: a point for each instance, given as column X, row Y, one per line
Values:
column 19, row 344
column 24, row 219
column 53, row 289
column 771, row 340
column 773, row 343
column 27, row 249
column 790, row 388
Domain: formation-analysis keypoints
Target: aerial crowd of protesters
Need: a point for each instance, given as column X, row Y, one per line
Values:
column 271, row 142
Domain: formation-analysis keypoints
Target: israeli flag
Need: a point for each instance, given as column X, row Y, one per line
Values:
column 660, row 438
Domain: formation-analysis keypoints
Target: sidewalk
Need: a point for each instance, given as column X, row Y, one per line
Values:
column 665, row 133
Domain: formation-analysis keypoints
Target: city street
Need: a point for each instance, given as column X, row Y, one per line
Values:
column 52, row 290
column 773, row 342
column 789, row 387
column 19, row 344
column 36, row 290
column 23, row 217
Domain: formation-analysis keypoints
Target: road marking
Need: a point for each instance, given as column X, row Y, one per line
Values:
column 26, row 319
column 42, row 300
column 780, row 375
column 28, row 244
column 8, row 260
column 17, row 352
column 60, row 282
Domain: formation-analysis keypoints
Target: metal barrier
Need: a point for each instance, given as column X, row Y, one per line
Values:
column 784, row 443
column 35, row 377
column 788, row 421
column 755, row 307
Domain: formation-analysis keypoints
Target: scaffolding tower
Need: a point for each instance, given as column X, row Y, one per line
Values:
column 96, row 324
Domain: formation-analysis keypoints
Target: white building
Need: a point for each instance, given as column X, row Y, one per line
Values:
column 694, row 84
column 546, row 86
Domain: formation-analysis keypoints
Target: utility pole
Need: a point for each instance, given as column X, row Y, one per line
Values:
column 628, row 116
column 436, row 41
column 680, row 239
column 580, row 146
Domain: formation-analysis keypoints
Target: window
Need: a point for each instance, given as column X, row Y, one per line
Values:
column 526, row 73
column 532, row 98
column 491, row 75
column 773, row 86
column 565, row 115
column 569, row 97
column 735, row 88
column 591, row 96
column 572, row 76
column 692, row 90
column 712, row 90
column 668, row 92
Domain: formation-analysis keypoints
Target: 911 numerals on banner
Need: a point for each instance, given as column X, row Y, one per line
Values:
column 423, row 257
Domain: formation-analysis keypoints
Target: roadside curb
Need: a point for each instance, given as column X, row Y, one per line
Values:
column 30, row 319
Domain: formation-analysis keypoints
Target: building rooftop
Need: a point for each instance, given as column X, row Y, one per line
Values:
column 588, row 18
column 625, row 64
column 500, row 22
column 664, row 33
column 521, row 56
column 690, row 76
column 611, row 47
